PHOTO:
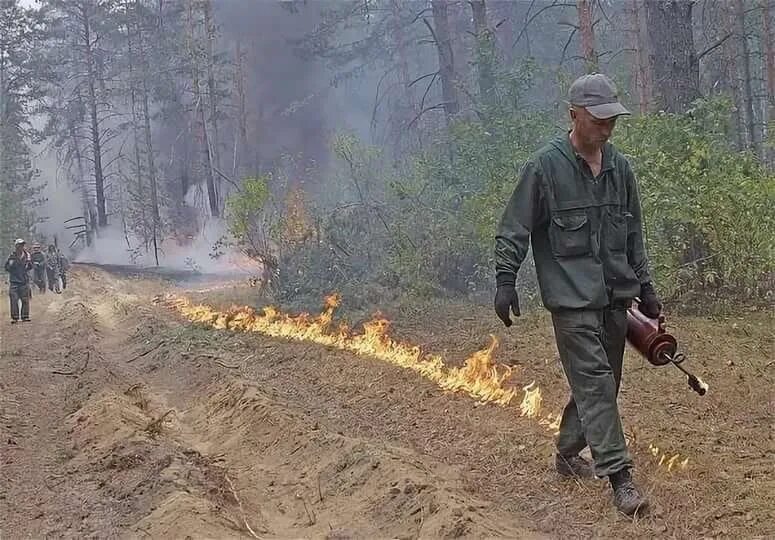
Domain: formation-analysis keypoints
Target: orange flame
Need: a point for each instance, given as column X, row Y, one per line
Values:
column 666, row 461
column 531, row 403
column 480, row 377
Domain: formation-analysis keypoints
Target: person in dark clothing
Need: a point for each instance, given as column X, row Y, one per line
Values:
column 18, row 265
column 577, row 204
column 64, row 266
column 53, row 270
column 39, row 267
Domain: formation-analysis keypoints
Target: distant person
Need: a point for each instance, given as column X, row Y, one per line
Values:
column 18, row 265
column 577, row 204
column 39, row 267
column 64, row 266
column 53, row 271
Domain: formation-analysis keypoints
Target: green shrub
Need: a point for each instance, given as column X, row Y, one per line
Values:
column 708, row 208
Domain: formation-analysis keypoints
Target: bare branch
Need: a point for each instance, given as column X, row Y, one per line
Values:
column 537, row 14
column 433, row 32
column 418, row 79
column 377, row 97
column 420, row 14
column 227, row 178
column 428, row 89
column 567, row 44
column 425, row 110
column 713, row 47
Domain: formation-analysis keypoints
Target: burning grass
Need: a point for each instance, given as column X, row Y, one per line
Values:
column 480, row 377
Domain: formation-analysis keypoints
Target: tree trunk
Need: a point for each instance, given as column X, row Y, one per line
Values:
column 199, row 116
column 584, row 8
column 212, row 193
column 729, row 76
column 745, row 62
column 140, row 194
column 485, row 50
column 675, row 63
column 407, row 108
column 212, row 95
column 642, row 70
column 446, row 60
column 99, row 180
column 3, row 109
column 87, row 202
column 769, row 52
column 155, row 214
column 403, row 63
column 769, row 61
column 241, row 140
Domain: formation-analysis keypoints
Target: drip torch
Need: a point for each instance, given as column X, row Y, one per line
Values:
column 659, row 347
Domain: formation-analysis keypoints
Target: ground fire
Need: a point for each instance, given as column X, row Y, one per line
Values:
column 480, row 376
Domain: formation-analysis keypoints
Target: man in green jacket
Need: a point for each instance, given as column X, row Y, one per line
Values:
column 577, row 203
column 18, row 266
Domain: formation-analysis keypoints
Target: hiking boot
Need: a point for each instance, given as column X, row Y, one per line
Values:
column 574, row 466
column 627, row 498
column 27, row 319
column 14, row 321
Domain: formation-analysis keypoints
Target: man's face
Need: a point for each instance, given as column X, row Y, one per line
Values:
column 19, row 248
column 590, row 130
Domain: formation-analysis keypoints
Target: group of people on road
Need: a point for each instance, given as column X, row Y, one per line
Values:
column 48, row 269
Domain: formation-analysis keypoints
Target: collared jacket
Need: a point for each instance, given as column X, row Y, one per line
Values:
column 17, row 268
column 586, row 231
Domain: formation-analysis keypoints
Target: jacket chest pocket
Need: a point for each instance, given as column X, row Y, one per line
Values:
column 569, row 235
column 616, row 230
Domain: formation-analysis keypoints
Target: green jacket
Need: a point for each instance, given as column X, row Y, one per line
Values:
column 17, row 268
column 586, row 232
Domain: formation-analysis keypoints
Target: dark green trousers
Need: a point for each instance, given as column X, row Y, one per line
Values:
column 19, row 294
column 591, row 346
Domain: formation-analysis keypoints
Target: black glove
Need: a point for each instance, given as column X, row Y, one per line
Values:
column 506, row 298
column 649, row 305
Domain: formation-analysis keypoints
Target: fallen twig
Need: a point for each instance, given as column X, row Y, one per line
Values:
column 159, row 344
column 227, row 366
column 310, row 513
column 85, row 363
column 154, row 426
column 74, row 372
column 241, row 509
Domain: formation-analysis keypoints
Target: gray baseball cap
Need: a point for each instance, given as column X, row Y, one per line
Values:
column 597, row 94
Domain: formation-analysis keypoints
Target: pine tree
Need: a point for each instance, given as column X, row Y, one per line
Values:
column 21, row 37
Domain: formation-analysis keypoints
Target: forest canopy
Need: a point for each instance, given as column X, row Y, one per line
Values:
column 371, row 146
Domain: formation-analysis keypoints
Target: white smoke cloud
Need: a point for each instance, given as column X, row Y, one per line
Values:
column 60, row 201
column 112, row 247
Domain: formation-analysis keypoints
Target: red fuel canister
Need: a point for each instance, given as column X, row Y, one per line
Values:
column 649, row 337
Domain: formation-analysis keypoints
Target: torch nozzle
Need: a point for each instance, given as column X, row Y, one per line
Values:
column 698, row 385
column 695, row 383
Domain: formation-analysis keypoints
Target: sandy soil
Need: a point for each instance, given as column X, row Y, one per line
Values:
column 118, row 418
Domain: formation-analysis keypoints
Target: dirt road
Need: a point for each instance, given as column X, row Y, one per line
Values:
column 119, row 418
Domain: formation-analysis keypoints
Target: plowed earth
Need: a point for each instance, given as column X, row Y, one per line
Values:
column 118, row 418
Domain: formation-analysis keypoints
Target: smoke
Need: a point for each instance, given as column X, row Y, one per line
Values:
column 291, row 111
column 60, row 201
column 196, row 254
